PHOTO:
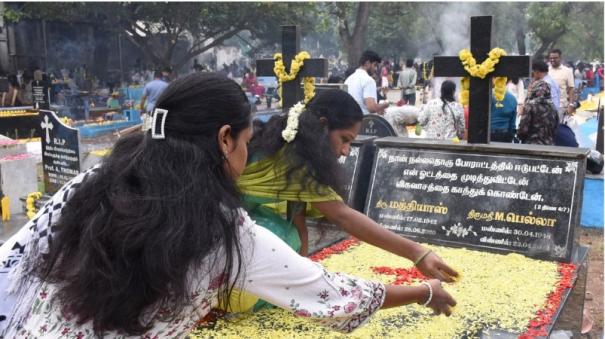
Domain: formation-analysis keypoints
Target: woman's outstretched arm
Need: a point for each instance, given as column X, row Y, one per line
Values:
column 365, row 229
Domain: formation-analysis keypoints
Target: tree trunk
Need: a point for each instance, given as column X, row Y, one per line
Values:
column 520, row 36
column 353, row 44
column 544, row 47
column 550, row 41
column 143, row 45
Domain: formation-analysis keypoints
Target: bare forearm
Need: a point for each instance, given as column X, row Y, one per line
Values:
column 404, row 295
column 374, row 107
column 570, row 95
column 366, row 230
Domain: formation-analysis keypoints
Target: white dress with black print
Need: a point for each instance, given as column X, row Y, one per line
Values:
column 271, row 271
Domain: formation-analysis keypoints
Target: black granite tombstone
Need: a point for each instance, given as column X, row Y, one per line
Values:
column 480, row 89
column 502, row 198
column 24, row 125
column 356, row 171
column 319, row 88
column 519, row 198
column 377, row 126
column 41, row 94
column 60, row 151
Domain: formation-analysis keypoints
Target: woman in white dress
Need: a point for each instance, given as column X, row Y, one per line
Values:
column 443, row 118
column 146, row 243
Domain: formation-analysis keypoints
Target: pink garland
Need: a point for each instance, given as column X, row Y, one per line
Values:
column 16, row 157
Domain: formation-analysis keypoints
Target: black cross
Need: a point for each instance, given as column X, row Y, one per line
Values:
column 480, row 89
column 292, row 92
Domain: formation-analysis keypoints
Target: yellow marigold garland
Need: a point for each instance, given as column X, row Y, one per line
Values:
column 481, row 71
column 67, row 121
column 295, row 66
column 426, row 76
column 29, row 203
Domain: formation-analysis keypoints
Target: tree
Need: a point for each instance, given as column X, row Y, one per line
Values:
column 575, row 27
column 509, row 17
column 156, row 28
column 352, row 32
column 390, row 29
column 584, row 39
column 548, row 22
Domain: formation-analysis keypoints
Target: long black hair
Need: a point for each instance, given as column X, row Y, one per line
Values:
column 132, row 234
column 309, row 156
column 448, row 88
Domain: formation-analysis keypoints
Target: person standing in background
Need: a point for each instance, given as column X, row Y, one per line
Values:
column 503, row 118
column 152, row 92
column 563, row 76
column 443, row 118
column 540, row 119
column 407, row 82
column 516, row 87
column 362, row 86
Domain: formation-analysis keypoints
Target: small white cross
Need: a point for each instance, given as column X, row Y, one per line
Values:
column 47, row 126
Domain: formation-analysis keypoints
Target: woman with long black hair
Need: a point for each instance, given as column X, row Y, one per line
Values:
column 150, row 240
column 443, row 118
column 295, row 158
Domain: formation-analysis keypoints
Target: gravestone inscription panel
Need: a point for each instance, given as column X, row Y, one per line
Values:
column 523, row 198
column 41, row 94
column 60, row 151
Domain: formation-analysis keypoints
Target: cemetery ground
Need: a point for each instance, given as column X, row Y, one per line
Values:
column 594, row 285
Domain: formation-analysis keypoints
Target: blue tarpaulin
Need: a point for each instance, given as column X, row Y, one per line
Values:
column 592, row 204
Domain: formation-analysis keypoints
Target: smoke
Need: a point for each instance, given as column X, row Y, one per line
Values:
column 450, row 28
column 454, row 26
column 69, row 54
column 453, row 31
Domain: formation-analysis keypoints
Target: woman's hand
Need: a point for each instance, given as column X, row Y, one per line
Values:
column 433, row 267
column 441, row 301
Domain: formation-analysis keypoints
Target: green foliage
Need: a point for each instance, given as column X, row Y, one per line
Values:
column 394, row 29
column 574, row 27
column 548, row 20
column 11, row 16
column 156, row 27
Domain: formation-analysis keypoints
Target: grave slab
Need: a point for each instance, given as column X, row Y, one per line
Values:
column 11, row 147
column 376, row 126
column 18, row 178
column 19, row 122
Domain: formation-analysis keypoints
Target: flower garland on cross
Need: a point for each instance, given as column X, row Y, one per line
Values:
column 425, row 75
column 296, row 65
column 481, row 71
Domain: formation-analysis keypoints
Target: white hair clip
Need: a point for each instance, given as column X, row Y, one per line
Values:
column 157, row 130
